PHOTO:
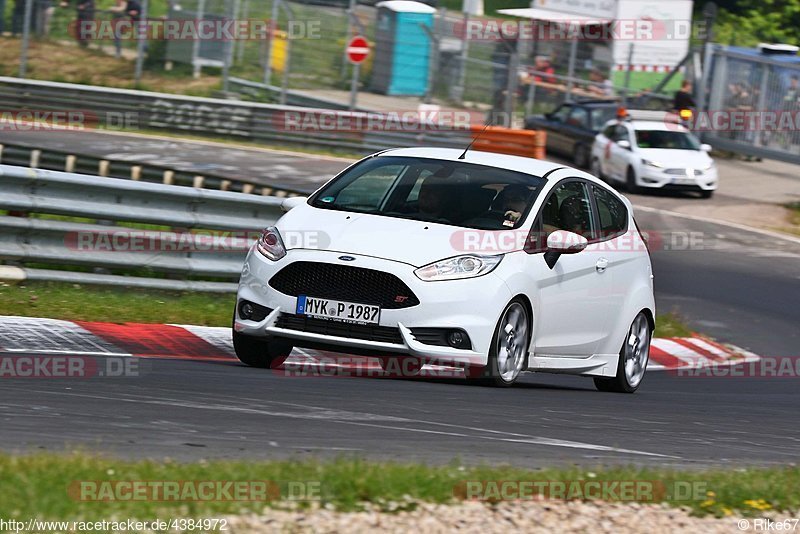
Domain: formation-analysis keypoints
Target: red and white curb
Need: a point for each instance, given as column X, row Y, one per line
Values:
column 26, row 335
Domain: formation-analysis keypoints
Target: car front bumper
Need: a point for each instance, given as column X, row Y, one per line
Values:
column 658, row 178
column 473, row 305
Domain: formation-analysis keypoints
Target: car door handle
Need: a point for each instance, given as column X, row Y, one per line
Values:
column 601, row 265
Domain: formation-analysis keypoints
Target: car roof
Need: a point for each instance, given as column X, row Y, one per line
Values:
column 598, row 103
column 532, row 166
column 657, row 125
column 649, row 125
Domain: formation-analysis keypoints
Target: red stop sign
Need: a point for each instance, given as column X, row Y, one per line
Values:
column 357, row 50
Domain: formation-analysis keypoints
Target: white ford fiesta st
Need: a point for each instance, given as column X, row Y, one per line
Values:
column 498, row 264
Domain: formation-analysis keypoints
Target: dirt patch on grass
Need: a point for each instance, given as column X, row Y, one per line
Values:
column 64, row 61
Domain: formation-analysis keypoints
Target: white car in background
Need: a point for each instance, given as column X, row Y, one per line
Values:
column 652, row 150
column 494, row 263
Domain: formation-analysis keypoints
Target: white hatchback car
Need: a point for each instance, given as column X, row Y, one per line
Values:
column 652, row 150
column 495, row 263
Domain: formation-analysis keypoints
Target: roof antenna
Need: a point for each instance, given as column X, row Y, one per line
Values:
column 464, row 154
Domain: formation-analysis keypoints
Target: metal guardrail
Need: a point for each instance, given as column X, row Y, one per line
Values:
column 209, row 116
column 70, row 161
column 122, row 232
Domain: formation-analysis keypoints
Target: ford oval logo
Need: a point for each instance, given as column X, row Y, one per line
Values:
column 347, row 258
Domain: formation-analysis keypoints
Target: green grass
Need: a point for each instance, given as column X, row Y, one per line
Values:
column 795, row 216
column 117, row 305
column 671, row 325
column 36, row 485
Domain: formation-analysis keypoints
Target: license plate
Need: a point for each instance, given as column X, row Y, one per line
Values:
column 337, row 310
column 683, row 181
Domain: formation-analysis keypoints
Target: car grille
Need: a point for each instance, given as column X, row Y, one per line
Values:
column 684, row 172
column 383, row 334
column 343, row 282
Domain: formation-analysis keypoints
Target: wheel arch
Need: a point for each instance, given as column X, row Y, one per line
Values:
column 651, row 319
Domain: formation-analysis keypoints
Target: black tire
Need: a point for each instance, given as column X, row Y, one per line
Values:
column 490, row 374
column 620, row 383
column 706, row 193
column 580, row 156
column 630, row 182
column 264, row 353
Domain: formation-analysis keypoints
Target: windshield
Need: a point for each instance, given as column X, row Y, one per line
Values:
column 602, row 115
column 422, row 189
column 666, row 139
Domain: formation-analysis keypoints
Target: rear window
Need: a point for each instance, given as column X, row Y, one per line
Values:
column 423, row 189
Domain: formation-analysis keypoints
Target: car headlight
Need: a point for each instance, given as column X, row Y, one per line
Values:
column 270, row 244
column 710, row 167
column 468, row 266
column 651, row 163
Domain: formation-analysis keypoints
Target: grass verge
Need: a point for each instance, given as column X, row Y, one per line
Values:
column 48, row 486
column 91, row 303
column 117, row 305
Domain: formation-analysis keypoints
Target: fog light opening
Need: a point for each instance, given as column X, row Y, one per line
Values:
column 458, row 339
column 246, row 310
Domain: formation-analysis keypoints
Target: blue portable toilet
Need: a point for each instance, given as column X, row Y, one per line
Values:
column 402, row 48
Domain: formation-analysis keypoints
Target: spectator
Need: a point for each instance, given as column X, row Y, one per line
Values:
column 683, row 98
column 17, row 17
column 501, row 59
column 42, row 14
column 600, row 86
column 122, row 10
column 791, row 104
column 542, row 65
column 85, row 13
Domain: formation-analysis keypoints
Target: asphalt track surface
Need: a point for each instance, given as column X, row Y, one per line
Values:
column 737, row 286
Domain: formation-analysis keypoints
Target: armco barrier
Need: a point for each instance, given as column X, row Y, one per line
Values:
column 205, row 116
column 125, row 108
column 526, row 143
column 177, row 213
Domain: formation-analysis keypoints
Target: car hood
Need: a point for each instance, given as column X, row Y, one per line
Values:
column 416, row 243
column 671, row 158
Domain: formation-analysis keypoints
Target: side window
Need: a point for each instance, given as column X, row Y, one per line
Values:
column 568, row 207
column 621, row 133
column 612, row 214
column 579, row 118
column 609, row 132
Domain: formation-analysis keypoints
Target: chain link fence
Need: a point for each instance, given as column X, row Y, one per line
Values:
column 302, row 51
column 753, row 103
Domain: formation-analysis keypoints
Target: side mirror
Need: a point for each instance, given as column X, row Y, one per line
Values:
column 292, row 202
column 563, row 242
column 705, row 147
column 624, row 144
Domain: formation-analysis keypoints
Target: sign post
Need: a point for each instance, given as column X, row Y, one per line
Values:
column 357, row 51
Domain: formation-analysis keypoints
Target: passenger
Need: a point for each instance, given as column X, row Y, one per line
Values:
column 432, row 198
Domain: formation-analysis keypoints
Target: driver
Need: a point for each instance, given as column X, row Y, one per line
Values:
column 511, row 202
